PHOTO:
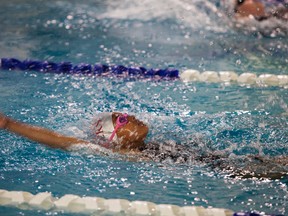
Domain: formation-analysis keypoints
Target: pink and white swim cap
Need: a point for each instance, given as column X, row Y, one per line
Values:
column 103, row 125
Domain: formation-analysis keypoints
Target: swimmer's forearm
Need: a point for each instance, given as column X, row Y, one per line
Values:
column 41, row 135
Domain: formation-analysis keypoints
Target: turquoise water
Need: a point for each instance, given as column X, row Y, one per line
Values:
column 232, row 119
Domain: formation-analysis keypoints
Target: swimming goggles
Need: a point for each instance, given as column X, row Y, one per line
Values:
column 120, row 122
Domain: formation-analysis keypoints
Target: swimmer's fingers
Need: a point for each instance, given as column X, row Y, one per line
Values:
column 3, row 121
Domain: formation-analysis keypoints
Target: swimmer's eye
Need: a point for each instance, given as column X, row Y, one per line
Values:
column 123, row 119
column 239, row 2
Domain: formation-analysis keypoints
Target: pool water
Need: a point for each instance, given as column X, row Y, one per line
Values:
column 236, row 120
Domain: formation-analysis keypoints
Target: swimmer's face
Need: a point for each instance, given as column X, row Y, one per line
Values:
column 133, row 134
column 249, row 7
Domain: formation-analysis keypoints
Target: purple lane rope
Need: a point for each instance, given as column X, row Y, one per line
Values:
column 82, row 68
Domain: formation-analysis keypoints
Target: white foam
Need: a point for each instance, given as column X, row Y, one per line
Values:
column 75, row 131
column 149, row 10
column 89, row 148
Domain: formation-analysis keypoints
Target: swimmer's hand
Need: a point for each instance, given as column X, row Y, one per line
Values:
column 3, row 121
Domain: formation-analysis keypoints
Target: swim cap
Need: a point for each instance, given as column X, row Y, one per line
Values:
column 103, row 126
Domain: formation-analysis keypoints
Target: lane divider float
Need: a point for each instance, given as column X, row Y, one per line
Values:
column 232, row 77
column 189, row 75
column 96, row 205
column 88, row 69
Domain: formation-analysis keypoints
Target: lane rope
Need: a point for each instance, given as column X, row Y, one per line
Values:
column 97, row 205
column 228, row 77
column 190, row 75
column 89, row 69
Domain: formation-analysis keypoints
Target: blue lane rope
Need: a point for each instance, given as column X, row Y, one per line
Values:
column 188, row 75
column 96, row 69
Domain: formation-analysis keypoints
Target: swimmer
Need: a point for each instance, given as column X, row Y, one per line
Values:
column 255, row 8
column 125, row 134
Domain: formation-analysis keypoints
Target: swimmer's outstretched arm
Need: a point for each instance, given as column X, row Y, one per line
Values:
column 38, row 134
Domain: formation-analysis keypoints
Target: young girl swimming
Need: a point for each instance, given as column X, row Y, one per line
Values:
column 125, row 134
